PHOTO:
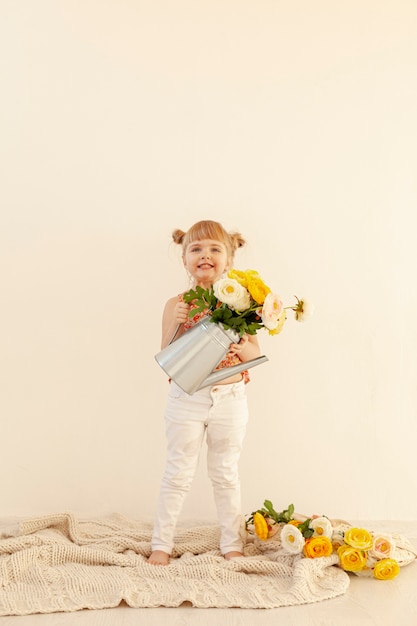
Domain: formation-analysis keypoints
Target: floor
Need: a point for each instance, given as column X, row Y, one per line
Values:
column 367, row 602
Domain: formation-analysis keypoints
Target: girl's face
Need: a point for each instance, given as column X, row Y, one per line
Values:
column 206, row 260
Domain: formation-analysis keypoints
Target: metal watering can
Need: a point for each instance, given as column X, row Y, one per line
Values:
column 190, row 360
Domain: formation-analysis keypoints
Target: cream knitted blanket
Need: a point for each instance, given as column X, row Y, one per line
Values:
column 58, row 563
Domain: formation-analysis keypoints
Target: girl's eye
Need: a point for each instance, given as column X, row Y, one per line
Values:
column 198, row 249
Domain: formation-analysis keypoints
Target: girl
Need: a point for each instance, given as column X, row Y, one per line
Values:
column 220, row 412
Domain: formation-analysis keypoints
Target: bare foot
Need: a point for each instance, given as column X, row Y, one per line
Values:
column 158, row 557
column 232, row 555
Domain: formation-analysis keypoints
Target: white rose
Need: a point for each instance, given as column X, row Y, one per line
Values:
column 322, row 527
column 271, row 311
column 292, row 539
column 304, row 310
column 383, row 546
column 229, row 291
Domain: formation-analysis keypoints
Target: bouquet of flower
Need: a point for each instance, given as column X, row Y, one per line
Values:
column 243, row 302
column 360, row 551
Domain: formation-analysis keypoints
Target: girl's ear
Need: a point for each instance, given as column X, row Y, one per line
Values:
column 228, row 265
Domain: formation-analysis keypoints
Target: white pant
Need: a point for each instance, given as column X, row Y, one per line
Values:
column 220, row 411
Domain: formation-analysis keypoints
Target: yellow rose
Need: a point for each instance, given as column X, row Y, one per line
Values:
column 386, row 569
column 359, row 538
column 260, row 525
column 317, row 546
column 351, row 560
column 257, row 289
column 240, row 276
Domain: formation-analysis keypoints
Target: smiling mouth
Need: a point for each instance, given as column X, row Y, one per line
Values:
column 205, row 266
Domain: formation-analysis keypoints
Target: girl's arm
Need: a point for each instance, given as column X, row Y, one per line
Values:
column 174, row 315
column 247, row 348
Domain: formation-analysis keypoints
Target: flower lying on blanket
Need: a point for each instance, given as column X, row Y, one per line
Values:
column 243, row 302
column 359, row 550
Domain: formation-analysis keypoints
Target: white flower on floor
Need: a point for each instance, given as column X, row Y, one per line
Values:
column 322, row 527
column 292, row 539
column 383, row 546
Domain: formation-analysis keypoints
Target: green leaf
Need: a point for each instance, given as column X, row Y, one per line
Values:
column 202, row 299
column 269, row 506
column 283, row 517
column 305, row 529
column 251, row 329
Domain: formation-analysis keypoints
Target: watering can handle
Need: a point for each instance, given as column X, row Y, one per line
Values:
column 174, row 335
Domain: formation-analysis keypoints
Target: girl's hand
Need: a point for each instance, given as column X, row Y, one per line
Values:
column 236, row 348
column 180, row 312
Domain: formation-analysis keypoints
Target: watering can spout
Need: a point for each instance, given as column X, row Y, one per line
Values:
column 218, row 375
column 190, row 360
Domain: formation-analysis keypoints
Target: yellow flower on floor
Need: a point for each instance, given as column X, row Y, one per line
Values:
column 359, row 538
column 317, row 546
column 386, row 569
column 351, row 559
column 261, row 526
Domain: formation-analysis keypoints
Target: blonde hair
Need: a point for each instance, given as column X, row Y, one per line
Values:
column 207, row 229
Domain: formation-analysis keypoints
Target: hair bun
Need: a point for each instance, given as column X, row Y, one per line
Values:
column 178, row 236
column 236, row 240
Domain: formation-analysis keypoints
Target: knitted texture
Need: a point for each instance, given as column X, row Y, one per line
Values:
column 59, row 563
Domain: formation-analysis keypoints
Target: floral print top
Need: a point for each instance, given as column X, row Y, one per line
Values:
column 230, row 359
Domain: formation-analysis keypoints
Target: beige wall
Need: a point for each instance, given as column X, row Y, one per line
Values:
column 292, row 122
